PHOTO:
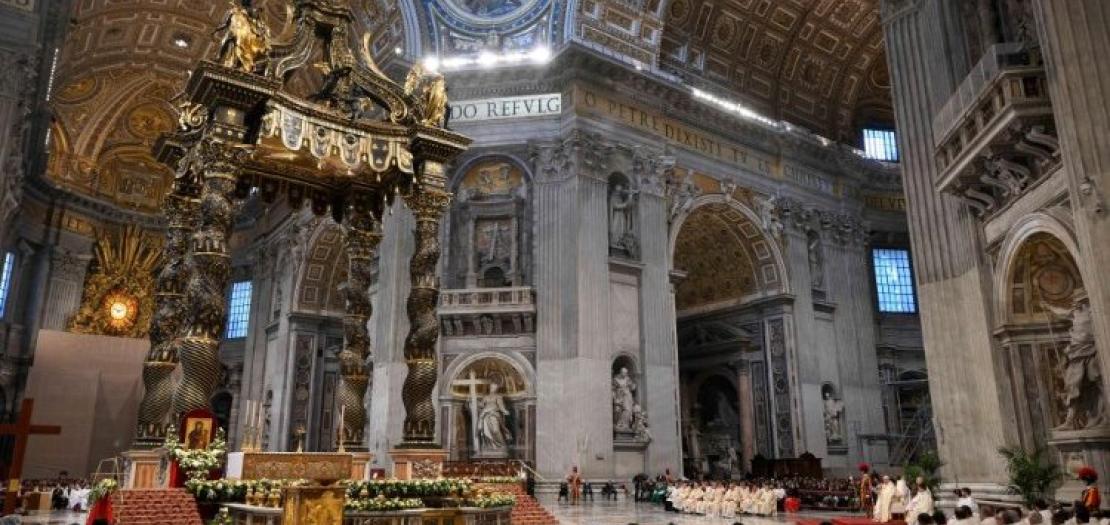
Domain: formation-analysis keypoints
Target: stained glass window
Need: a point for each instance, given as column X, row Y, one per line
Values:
column 6, row 281
column 894, row 280
column 239, row 310
column 880, row 144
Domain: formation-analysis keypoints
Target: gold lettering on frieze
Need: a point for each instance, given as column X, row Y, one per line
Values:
column 590, row 102
column 891, row 202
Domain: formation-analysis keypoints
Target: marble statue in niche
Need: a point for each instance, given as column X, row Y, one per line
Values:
column 624, row 400
column 816, row 260
column 834, row 414
column 622, row 213
column 1082, row 379
column 726, row 416
column 493, row 432
column 488, row 391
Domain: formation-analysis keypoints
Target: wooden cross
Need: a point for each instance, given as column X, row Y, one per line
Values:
column 21, row 429
column 472, row 385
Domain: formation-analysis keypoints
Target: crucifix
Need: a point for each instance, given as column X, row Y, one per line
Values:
column 21, row 429
column 472, row 385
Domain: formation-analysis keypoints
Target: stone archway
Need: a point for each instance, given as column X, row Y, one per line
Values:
column 716, row 231
column 465, row 392
column 322, row 271
column 729, row 298
column 1049, row 349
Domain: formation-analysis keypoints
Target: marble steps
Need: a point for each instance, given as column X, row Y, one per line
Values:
column 155, row 507
column 527, row 510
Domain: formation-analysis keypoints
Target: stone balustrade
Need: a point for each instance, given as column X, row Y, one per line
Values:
column 487, row 311
column 995, row 136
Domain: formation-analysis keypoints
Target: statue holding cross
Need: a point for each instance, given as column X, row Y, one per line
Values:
column 489, row 434
column 472, row 385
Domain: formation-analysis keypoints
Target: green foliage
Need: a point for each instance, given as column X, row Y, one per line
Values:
column 926, row 466
column 1032, row 474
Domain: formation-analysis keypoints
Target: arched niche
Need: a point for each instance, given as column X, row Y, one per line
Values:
column 1046, row 339
column 711, row 426
column 468, row 379
column 728, row 258
column 489, row 228
column 1011, row 248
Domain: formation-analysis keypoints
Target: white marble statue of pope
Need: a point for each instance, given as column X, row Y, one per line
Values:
column 623, row 400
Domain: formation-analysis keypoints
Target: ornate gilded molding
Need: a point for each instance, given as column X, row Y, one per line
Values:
column 118, row 298
column 257, row 131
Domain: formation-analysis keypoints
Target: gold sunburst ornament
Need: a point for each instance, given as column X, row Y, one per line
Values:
column 118, row 298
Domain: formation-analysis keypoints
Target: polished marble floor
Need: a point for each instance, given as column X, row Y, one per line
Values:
column 56, row 518
column 600, row 512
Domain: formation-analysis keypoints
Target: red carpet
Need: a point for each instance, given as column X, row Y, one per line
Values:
column 155, row 507
column 848, row 520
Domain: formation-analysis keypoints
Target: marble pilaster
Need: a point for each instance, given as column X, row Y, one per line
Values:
column 854, row 358
column 1071, row 35
column 922, row 37
column 660, row 349
column 67, row 279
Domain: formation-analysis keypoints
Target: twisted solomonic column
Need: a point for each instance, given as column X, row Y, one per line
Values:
column 362, row 240
column 206, row 295
column 420, row 345
column 169, row 318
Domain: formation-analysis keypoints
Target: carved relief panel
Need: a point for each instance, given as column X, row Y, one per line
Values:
column 489, row 228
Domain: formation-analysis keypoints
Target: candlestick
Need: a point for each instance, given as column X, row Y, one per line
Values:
column 249, row 426
column 342, row 426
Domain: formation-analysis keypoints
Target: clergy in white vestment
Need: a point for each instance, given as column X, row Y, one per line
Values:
column 79, row 499
column 885, row 502
column 921, row 503
column 901, row 498
column 731, row 500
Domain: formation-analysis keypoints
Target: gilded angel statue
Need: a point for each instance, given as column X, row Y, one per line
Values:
column 429, row 92
column 246, row 38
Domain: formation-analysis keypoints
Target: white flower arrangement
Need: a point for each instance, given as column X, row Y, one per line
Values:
column 103, row 489
column 197, row 463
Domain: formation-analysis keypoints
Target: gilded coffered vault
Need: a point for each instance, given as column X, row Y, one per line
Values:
column 119, row 73
column 814, row 63
column 726, row 257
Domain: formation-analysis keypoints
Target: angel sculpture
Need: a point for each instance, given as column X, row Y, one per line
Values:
column 429, row 94
column 246, row 38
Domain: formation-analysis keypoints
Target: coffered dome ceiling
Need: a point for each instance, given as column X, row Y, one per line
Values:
column 815, row 63
column 122, row 63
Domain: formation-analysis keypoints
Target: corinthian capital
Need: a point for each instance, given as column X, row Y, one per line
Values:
column 428, row 205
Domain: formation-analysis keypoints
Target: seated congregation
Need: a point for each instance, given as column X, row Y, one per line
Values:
column 725, row 499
